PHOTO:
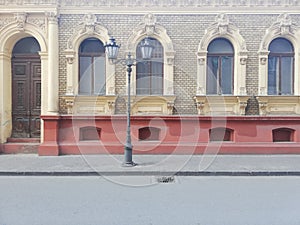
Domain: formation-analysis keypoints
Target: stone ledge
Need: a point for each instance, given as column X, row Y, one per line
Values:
column 221, row 105
column 152, row 105
column 104, row 105
column 279, row 105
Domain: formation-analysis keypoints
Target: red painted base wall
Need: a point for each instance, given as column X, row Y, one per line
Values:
column 174, row 135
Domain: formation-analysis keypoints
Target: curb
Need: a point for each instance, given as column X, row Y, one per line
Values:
column 153, row 173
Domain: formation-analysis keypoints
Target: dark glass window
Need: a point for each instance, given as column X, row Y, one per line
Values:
column 28, row 45
column 149, row 75
column 280, row 67
column 220, row 67
column 91, row 67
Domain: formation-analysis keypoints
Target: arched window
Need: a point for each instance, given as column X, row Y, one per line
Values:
column 220, row 58
column 28, row 45
column 281, row 67
column 149, row 75
column 91, row 67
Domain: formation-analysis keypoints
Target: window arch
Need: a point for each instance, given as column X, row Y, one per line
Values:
column 28, row 45
column 87, row 28
column 223, row 30
column 148, row 27
column 91, row 67
column 282, row 31
column 220, row 60
column 149, row 75
column 281, row 67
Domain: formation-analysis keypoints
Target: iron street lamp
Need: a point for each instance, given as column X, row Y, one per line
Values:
column 112, row 50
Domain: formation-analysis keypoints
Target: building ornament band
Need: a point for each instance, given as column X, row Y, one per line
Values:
column 20, row 20
column 181, row 3
column 153, row 3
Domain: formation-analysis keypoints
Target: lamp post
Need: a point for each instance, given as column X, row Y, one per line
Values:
column 112, row 50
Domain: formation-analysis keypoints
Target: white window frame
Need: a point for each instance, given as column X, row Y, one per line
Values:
column 282, row 28
column 222, row 28
column 88, row 28
column 150, row 28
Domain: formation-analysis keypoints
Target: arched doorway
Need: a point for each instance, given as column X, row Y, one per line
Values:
column 26, row 89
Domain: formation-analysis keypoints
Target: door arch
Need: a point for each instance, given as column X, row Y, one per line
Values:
column 26, row 89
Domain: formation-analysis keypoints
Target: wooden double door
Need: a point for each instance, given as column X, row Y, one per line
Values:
column 26, row 96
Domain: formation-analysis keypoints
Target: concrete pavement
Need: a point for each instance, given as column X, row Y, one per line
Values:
column 183, row 165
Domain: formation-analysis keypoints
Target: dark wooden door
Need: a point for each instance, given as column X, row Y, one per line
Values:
column 26, row 94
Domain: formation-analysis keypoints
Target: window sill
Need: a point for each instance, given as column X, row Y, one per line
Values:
column 90, row 104
column 279, row 105
column 152, row 105
column 221, row 104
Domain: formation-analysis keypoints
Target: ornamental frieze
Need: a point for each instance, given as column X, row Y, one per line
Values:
column 179, row 3
column 152, row 3
column 5, row 20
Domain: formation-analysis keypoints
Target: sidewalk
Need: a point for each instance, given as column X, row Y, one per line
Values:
column 180, row 165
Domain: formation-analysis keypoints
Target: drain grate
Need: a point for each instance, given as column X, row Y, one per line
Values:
column 165, row 179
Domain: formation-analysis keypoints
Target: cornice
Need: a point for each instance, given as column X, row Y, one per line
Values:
column 154, row 6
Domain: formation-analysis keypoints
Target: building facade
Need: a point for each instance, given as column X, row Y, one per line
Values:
column 223, row 78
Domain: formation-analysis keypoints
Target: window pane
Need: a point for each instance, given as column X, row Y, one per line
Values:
column 281, row 45
column 149, row 78
column 212, row 75
column 273, row 73
column 91, row 45
column 286, row 75
column 220, row 67
column 226, row 79
column 157, row 52
column 27, row 45
column 99, row 75
column 85, row 75
column 143, row 79
column 156, row 79
column 220, row 45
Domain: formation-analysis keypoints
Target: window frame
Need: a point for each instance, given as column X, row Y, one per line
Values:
column 93, row 56
column 219, row 74
column 149, row 64
column 279, row 56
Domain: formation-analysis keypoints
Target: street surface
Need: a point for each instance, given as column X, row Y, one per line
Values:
column 126, row 201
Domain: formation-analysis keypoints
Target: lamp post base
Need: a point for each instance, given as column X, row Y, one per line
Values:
column 128, row 164
column 128, row 156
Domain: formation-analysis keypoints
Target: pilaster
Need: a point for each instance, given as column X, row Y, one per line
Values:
column 52, row 63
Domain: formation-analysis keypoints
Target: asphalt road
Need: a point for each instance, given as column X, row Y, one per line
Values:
column 142, row 201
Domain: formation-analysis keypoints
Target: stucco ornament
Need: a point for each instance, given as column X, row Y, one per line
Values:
column 222, row 23
column 21, row 20
column 89, row 23
column 149, row 21
column 285, row 22
column 88, row 27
